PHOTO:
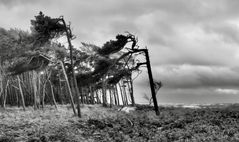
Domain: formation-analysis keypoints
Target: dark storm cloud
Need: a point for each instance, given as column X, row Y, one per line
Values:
column 189, row 77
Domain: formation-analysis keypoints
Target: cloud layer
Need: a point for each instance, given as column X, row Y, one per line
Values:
column 194, row 76
column 193, row 44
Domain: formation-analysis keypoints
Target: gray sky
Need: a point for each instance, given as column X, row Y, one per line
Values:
column 193, row 44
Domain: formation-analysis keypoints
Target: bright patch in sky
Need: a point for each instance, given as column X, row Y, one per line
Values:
column 228, row 91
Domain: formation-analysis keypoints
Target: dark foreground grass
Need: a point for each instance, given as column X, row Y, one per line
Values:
column 108, row 124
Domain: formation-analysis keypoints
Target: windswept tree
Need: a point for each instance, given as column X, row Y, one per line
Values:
column 106, row 66
column 31, row 60
column 47, row 28
column 35, row 51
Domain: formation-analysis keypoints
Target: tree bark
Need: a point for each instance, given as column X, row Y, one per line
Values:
column 130, row 84
column 5, row 96
column 35, row 88
column 69, row 88
column 122, row 94
column 151, row 81
column 21, row 93
column 52, row 94
column 75, row 86
column 104, row 99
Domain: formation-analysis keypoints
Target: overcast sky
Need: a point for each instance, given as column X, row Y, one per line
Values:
column 193, row 44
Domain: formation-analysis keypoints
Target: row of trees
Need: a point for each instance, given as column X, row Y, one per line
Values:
column 36, row 69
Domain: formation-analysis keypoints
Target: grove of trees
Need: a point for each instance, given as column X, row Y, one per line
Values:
column 37, row 69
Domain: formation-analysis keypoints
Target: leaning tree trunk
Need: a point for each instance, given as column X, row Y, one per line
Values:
column 69, row 88
column 75, row 86
column 60, row 89
column 130, row 86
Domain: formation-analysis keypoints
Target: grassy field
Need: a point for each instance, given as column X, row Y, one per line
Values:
column 109, row 124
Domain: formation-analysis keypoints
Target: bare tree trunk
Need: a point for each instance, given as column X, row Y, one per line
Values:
column 44, row 89
column 5, row 96
column 30, row 88
column 87, row 95
column 52, row 94
column 104, row 97
column 130, row 86
column 69, row 35
column 110, row 95
column 117, row 94
column 72, row 89
column 69, row 88
column 34, row 83
column 43, row 95
column 2, row 78
column 122, row 94
column 39, row 89
column 125, row 94
column 61, row 94
column 17, row 97
column 92, row 94
column 1, row 85
column 151, row 81
column 21, row 93
column 82, row 95
column 97, row 96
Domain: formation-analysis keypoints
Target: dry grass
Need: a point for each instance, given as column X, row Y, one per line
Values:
column 50, row 124
column 108, row 124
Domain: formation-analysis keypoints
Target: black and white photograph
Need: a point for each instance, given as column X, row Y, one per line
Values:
column 119, row 71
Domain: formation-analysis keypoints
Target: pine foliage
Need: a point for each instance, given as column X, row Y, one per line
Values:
column 46, row 28
column 113, row 46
